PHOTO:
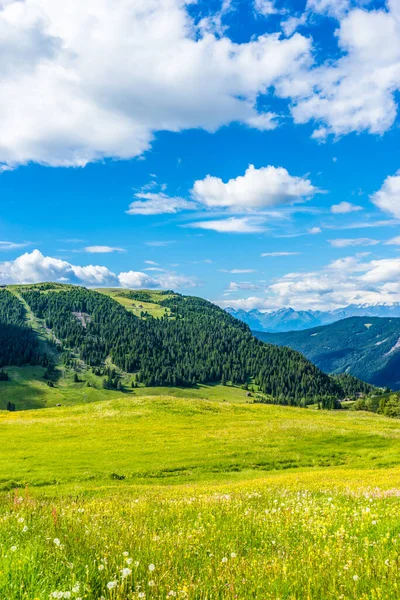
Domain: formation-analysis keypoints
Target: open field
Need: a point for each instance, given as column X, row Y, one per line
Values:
column 226, row 500
column 28, row 389
column 160, row 440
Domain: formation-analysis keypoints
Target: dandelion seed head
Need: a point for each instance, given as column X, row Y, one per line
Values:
column 112, row 584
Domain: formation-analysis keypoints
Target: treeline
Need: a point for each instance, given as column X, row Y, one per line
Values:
column 352, row 386
column 18, row 342
column 203, row 344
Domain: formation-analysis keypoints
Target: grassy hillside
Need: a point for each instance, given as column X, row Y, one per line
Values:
column 366, row 347
column 159, row 439
column 195, row 499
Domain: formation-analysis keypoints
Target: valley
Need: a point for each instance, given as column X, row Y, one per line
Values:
column 365, row 347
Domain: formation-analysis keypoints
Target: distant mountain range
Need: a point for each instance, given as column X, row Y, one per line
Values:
column 365, row 347
column 288, row 319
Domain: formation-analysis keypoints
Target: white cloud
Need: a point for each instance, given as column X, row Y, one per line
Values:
column 248, row 303
column 84, row 81
column 34, row 267
column 351, row 280
column 136, row 279
column 158, row 269
column 102, row 249
column 344, row 208
column 355, row 92
column 280, row 254
column 388, row 197
column 159, row 203
column 314, row 230
column 386, row 270
column 232, row 225
column 332, row 8
column 150, row 262
column 12, row 245
column 265, row 7
column 237, row 271
column 257, row 188
column 160, row 243
column 393, row 241
column 242, row 285
column 346, row 242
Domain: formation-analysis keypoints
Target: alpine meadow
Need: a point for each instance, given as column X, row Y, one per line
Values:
column 199, row 300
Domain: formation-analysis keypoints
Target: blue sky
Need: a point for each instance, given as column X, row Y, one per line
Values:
column 243, row 151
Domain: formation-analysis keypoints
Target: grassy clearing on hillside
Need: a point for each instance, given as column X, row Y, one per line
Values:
column 139, row 306
column 224, row 500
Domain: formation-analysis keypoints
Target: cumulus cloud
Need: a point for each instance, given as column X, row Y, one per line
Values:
column 265, row 7
column 232, row 225
column 355, row 92
column 346, row 242
column 84, row 81
column 314, row 230
column 136, row 279
column 332, row 8
column 103, row 249
column 351, row 280
column 34, row 267
column 388, row 197
column 158, row 203
column 257, row 188
column 343, row 208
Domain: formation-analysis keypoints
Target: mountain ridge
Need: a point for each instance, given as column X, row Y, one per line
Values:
column 288, row 319
column 365, row 347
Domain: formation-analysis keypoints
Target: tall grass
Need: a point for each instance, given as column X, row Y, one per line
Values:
column 252, row 543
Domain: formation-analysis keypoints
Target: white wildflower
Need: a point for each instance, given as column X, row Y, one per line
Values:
column 125, row 573
column 112, row 584
column 56, row 542
column 152, row 567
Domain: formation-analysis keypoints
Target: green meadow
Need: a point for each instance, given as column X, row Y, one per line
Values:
column 159, row 497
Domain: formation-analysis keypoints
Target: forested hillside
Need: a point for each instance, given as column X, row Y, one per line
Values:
column 192, row 341
column 198, row 343
column 18, row 343
column 366, row 347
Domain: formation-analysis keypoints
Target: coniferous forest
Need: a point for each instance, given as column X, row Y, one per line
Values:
column 196, row 342
column 18, row 342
